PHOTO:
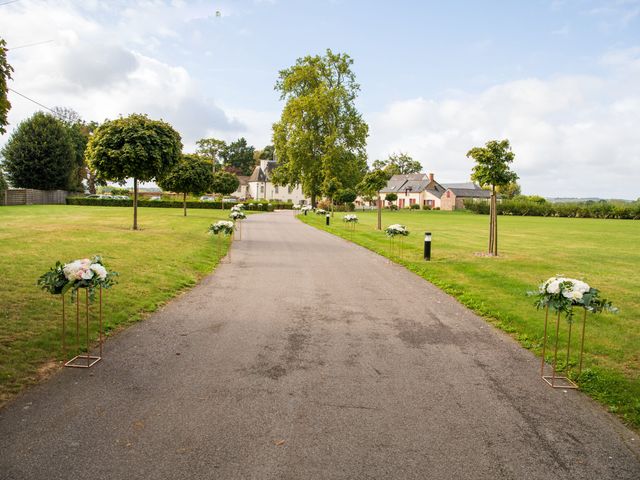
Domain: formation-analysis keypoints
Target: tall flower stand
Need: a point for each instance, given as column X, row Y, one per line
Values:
column 220, row 236
column 237, row 233
column 555, row 380
column 82, row 360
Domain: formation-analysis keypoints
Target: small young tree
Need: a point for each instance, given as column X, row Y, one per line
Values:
column 39, row 154
column 211, row 149
column 391, row 197
column 224, row 183
column 134, row 147
column 191, row 175
column 370, row 186
column 492, row 170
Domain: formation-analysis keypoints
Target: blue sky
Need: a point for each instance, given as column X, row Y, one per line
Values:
column 559, row 78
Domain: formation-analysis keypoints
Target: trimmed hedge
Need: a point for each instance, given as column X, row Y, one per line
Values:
column 546, row 209
column 105, row 202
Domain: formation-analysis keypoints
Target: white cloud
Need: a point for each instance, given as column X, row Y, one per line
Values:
column 94, row 67
column 572, row 135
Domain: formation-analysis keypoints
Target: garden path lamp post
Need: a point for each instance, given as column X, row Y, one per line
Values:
column 427, row 246
column 328, row 217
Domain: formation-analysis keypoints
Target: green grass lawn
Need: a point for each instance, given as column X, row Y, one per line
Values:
column 168, row 254
column 604, row 253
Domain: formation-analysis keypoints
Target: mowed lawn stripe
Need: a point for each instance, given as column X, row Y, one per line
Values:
column 170, row 253
column 605, row 253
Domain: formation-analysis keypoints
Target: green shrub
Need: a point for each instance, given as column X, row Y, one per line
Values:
column 104, row 202
column 526, row 206
column 415, row 206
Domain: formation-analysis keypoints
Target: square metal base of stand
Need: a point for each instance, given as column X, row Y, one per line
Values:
column 75, row 361
column 559, row 382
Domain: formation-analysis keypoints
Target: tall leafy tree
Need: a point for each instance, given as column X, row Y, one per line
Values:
column 492, row 170
column 224, row 183
column 238, row 157
column 211, row 149
column 398, row 164
column 134, row 147
column 5, row 74
column 320, row 135
column 79, row 132
column 191, row 175
column 39, row 154
column 370, row 186
column 267, row 153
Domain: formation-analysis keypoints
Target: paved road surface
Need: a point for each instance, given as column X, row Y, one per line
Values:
column 310, row 358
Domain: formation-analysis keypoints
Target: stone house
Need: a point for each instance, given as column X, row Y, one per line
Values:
column 456, row 193
column 260, row 186
column 414, row 189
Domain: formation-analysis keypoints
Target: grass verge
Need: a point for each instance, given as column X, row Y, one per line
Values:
column 169, row 253
column 602, row 252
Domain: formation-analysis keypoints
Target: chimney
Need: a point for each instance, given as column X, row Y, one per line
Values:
column 431, row 177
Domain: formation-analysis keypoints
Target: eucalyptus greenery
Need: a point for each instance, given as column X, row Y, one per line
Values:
column 90, row 274
column 562, row 294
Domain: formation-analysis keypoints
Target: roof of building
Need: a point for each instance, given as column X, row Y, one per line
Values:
column 465, row 185
column 414, row 182
column 243, row 179
column 470, row 192
column 260, row 174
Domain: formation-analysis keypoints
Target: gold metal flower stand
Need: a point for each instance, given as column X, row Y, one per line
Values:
column 555, row 380
column 85, row 360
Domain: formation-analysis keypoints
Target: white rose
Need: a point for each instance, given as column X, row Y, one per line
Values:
column 87, row 274
column 99, row 270
column 553, row 287
column 572, row 294
column 580, row 286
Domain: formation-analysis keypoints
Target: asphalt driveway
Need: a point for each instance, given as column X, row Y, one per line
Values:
column 308, row 357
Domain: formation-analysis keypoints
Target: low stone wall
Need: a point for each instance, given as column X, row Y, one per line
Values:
column 28, row 196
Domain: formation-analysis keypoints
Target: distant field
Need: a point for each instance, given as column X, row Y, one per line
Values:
column 605, row 253
column 171, row 252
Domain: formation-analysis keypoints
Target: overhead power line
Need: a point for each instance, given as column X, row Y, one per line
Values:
column 30, row 45
column 7, row 3
column 32, row 100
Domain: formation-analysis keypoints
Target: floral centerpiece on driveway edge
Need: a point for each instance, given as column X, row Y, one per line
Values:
column 561, row 294
column 84, row 273
column 223, row 226
column 237, row 215
column 396, row 229
column 320, row 211
column 350, row 218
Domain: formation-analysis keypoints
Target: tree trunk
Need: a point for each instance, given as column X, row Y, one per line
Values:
column 184, row 203
column 135, row 204
column 379, row 213
column 313, row 200
column 332, row 208
column 495, row 225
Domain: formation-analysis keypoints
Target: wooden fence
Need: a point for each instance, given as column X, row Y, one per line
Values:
column 27, row 196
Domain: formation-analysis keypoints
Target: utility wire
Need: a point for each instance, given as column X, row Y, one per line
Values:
column 7, row 3
column 32, row 100
column 30, row 45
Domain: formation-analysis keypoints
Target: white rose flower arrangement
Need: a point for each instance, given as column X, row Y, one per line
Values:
column 320, row 211
column 83, row 273
column 396, row 229
column 237, row 215
column 223, row 226
column 350, row 218
column 561, row 294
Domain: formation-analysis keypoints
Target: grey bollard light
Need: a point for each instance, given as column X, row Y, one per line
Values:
column 327, row 219
column 427, row 246
column 305, row 212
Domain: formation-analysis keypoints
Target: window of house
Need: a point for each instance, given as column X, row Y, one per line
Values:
column 412, row 201
column 276, row 189
column 448, row 194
